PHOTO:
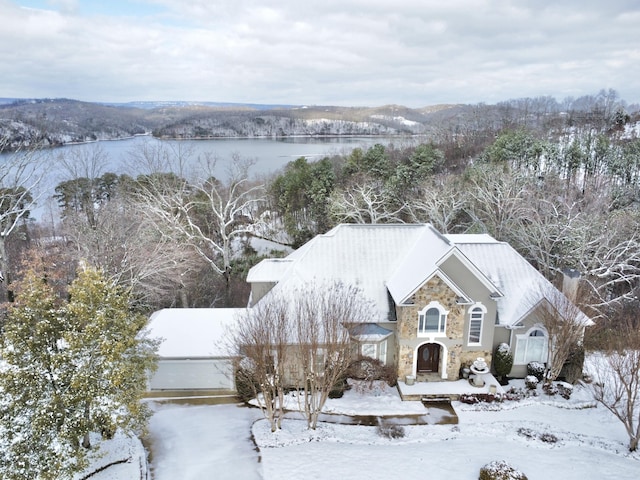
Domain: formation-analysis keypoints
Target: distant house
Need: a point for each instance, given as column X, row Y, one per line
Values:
column 441, row 301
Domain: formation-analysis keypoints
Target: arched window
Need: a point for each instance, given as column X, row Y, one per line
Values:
column 531, row 346
column 476, row 319
column 432, row 320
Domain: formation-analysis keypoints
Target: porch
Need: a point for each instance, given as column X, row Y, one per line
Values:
column 431, row 388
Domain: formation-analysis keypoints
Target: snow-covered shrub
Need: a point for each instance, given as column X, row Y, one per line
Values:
column 514, row 394
column 500, row 470
column 548, row 438
column 473, row 398
column 550, row 389
column 339, row 388
column 565, row 390
column 371, row 369
column 502, row 361
column 531, row 382
column 536, row 369
column 390, row 431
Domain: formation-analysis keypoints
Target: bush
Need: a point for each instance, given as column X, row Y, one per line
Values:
column 370, row 369
column 473, row 398
column 246, row 385
column 500, row 470
column 339, row 388
column 550, row 389
column 572, row 368
column 536, row 369
column 531, row 382
column 565, row 390
column 503, row 361
column 390, row 431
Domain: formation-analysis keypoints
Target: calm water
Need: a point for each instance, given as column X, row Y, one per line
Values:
column 270, row 155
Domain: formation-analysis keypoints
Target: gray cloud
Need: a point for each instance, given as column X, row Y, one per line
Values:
column 348, row 52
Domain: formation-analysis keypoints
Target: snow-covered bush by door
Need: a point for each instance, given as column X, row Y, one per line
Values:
column 503, row 361
column 536, row 369
column 531, row 382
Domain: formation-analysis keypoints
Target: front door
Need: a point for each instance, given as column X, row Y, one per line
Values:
column 428, row 357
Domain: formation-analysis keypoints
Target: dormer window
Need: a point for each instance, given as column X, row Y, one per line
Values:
column 432, row 320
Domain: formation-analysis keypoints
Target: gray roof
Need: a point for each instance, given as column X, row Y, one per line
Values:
column 394, row 260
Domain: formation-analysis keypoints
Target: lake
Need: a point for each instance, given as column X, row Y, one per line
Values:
column 270, row 154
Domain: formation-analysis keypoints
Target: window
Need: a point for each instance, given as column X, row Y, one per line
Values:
column 368, row 350
column 375, row 350
column 432, row 320
column 531, row 347
column 476, row 317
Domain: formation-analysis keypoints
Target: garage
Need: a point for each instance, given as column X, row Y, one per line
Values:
column 193, row 374
column 191, row 354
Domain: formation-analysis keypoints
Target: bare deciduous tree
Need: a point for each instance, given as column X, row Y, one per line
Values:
column 297, row 339
column 617, row 380
column 322, row 316
column 206, row 214
column 565, row 324
column 440, row 203
column 20, row 176
column 364, row 203
column 261, row 340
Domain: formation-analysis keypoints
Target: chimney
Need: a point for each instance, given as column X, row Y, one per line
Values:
column 570, row 281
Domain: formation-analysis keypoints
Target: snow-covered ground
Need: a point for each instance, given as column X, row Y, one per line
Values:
column 545, row 437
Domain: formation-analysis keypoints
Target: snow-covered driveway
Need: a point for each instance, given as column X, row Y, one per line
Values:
column 203, row 442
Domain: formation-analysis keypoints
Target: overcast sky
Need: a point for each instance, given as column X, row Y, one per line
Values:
column 322, row 52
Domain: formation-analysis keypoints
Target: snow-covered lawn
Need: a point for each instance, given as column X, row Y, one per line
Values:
column 204, row 442
column 590, row 443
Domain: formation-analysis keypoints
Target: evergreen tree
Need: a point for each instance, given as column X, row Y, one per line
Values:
column 70, row 368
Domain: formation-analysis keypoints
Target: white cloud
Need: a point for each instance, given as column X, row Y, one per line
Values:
column 350, row 52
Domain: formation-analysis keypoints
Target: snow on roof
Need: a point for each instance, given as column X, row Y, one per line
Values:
column 470, row 238
column 369, row 332
column 192, row 332
column 359, row 255
column 523, row 286
column 397, row 259
column 419, row 263
column 269, row 270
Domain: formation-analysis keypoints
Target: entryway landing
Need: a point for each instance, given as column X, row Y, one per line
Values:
column 444, row 389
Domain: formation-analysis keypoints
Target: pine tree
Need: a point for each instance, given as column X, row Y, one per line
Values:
column 70, row 368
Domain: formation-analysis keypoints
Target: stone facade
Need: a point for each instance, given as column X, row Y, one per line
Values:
column 435, row 290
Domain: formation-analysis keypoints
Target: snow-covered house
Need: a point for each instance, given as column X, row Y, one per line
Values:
column 441, row 300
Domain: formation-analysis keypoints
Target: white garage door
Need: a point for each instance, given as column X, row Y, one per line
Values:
column 193, row 375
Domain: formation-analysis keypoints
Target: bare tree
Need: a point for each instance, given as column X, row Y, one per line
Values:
column 322, row 316
column 206, row 214
column 441, row 203
column 364, row 203
column 299, row 338
column 497, row 200
column 565, row 324
column 261, row 341
column 20, row 176
column 617, row 380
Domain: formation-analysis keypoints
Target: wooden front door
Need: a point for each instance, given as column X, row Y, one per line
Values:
column 428, row 357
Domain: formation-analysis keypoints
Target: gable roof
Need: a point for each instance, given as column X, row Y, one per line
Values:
column 396, row 259
column 521, row 284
